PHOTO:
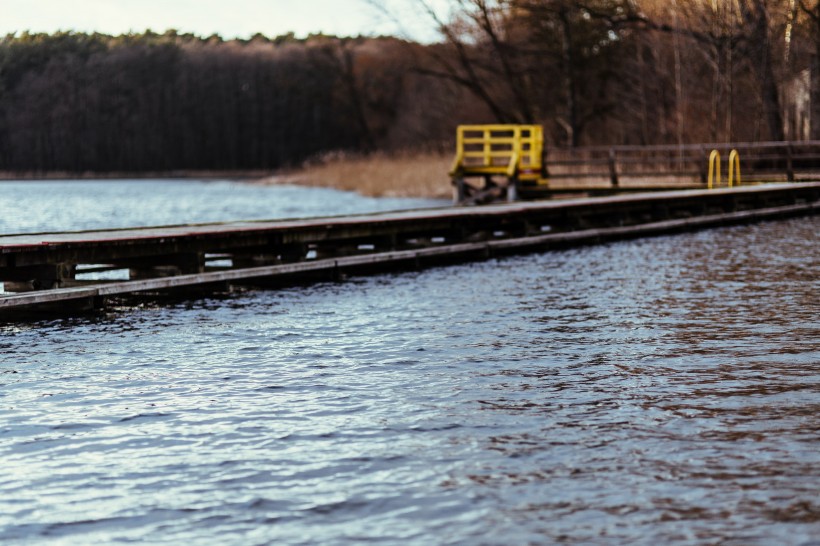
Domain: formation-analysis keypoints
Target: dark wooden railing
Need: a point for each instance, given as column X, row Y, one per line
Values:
column 759, row 161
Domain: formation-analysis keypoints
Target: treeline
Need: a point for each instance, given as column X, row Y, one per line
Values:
column 81, row 102
column 591, row 71
column 642, row 71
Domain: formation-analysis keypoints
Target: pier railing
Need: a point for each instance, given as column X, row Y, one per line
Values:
column 614, row 165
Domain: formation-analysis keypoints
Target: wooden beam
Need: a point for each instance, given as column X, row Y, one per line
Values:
column 362, row 262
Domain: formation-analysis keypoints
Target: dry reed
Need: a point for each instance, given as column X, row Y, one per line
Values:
column 378, row 175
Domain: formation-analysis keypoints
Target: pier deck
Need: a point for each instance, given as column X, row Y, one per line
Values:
column 56, row 270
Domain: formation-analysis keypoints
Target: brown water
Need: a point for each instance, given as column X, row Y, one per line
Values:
column 658, row 391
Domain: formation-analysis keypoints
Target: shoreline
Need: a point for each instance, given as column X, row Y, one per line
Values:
column 34, row 176
column 421, row 175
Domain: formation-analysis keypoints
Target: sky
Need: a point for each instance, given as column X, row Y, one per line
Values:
column 228, row 18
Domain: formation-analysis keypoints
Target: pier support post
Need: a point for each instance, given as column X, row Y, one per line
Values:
column 37, row 277
column 702, row 165
column 168, row 266
column 459, row 191
column 613, row 168
column 789, row 163
column 512, row 190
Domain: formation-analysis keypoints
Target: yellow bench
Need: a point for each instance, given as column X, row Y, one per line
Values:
column 514, row 151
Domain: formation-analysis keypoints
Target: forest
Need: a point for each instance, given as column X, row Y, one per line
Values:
column 592, row 72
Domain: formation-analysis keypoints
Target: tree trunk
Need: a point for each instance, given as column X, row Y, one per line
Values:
column 757, row 19
column 570, row 80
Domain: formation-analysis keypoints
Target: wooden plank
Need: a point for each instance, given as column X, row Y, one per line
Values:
column 47, row 296
column 134, row 246
column 688, row 147
column 11, row 243
column 665, row 226
column 483, row 248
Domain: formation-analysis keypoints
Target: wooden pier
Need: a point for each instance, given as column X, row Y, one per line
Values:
column 50, row 271
column 510, row 162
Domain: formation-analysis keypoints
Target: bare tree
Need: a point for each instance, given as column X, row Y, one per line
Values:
column 813, row 13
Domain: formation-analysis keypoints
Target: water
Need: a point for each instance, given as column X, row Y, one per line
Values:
column 657, row 391
column 41, row 206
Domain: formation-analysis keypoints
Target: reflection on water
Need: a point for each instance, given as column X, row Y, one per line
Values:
column 659, row 391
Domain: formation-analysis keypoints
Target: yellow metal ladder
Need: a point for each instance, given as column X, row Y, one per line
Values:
column 714, row 169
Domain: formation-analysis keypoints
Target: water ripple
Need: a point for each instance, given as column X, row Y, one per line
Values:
column 655, row 391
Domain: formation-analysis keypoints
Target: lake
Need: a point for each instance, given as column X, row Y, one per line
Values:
column 655, row 391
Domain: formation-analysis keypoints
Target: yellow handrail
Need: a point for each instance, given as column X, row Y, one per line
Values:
column 514, row 151
column 455, row 168
column 734, row 166
column 513, row 166
column 714, row 168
